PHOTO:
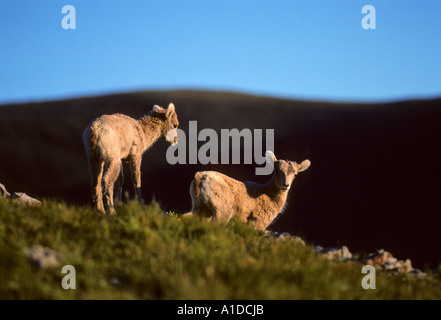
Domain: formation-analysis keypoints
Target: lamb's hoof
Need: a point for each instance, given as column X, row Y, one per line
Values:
column 101, row 211
column 112, row 211
column 186, row 215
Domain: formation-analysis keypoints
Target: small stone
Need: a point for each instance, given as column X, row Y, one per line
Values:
column 284, row 235
column 407, row 266
column 390, row 266
column 24, row 198
column 3, row 192
column 418, row 273
column 380, row 258
column 319, row 249
column 339, row 253
column 42, row 257
column 115, row 281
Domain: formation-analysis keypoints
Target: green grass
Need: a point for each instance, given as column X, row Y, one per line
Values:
column 144, row 253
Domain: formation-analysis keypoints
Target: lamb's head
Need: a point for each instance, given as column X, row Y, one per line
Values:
column 285, row 171
column 169, row 123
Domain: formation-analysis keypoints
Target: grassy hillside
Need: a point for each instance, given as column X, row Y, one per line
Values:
column 373, row 182
column 145, row 253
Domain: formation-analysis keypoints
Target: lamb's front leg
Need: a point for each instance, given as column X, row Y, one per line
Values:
column 135, row 166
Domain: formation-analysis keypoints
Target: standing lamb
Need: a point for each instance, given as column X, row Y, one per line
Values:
column 215, row 195
column 111, row 139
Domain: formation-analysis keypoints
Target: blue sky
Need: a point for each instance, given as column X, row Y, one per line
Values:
column 306, row 49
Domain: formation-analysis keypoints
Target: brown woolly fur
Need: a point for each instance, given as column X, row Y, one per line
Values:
column 111, row 139
column 215, row 195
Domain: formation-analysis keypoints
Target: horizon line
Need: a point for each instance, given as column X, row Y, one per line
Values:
column 260, row 94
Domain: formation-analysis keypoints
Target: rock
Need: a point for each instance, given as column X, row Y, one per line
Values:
column 404, row 266
column 380, row 258
column 319, row 249
column 3, row 192
column 24, row 198
column 418, row 273
column 283, row 236
column 115, row 281
column 339, row 253
column 387, row 261
column 42, row 257
column 18, row 196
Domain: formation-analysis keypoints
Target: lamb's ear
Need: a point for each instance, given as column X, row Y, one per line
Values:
column 157, row 109
column 170, row 110
column 304, row 165
column 270, row 157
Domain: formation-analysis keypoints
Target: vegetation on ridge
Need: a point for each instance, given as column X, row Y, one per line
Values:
column 145, row 253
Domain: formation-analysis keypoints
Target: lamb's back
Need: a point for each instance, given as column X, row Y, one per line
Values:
column 115, row 135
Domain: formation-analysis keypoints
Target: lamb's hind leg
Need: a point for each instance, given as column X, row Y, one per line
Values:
column 119, row 185
column 96, row 174
column 110, row 175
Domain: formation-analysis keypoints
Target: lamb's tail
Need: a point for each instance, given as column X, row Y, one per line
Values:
column 90, row 138
column 94, row 134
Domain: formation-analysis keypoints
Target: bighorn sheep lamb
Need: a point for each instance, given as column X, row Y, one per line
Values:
column 215, row 195
column 111, row 139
